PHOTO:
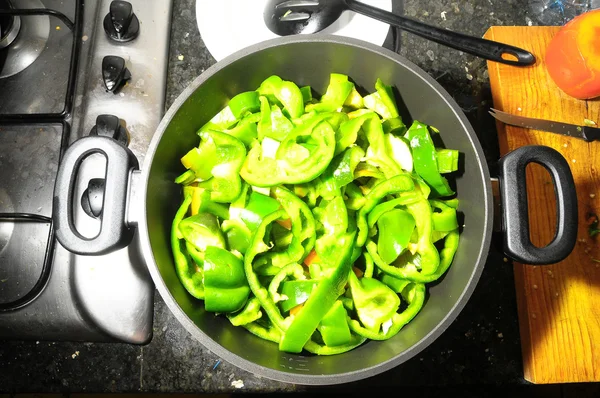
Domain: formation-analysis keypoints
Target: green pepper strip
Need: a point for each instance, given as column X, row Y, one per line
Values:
column 297, row 292
column 222, row 155
column 225, row 285
column 377, row 153
column 444, row 220
column 318, row 349
column 356, row 199
column 447, row 160
column 397, row 184
column 340, row 172
column 189, row 274
column 270, row 334
column 250, row 313
column 404, row 199
column 295, row 162
column 369, row 266
column 243, row 103
column 258, row 246
column 446, row 256
column 429, row 256
column 425, row 162
column 286, row 92
column 303, row 221
column 320, row 301
column 398, row 320
column 294, row 269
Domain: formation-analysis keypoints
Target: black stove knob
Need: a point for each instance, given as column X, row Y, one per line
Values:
column 92, row 199
column 121, row 24
column 114, row 73
column 110, row 126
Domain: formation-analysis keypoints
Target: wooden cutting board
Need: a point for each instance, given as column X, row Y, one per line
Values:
column 559, row 305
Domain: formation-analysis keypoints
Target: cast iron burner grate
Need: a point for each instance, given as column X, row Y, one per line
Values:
column 8, row 16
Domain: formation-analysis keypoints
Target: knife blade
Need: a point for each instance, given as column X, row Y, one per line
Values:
column 587, row 133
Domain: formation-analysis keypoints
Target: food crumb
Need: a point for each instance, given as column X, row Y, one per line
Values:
column 237, row 383
column 519, row 109
column 84, row 37
column 430, row 54
column 556, row 294
column 589, row 122
column 443, row 15
column 505, row 259
column 37, row 342
column 592, row 195
column 180, row 57
column 534, row 316
column 187, row 35
column 500, row 335
column 574, row 160
column 487, row 350
column 565, row 145
column 58, row 28
column 75, row 355
column 469, row 76
column 535, row 286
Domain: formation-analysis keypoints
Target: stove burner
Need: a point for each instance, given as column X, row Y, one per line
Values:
column 9, row 25
column 25, row 38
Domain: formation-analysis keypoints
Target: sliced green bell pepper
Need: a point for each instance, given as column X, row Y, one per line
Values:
column 217, row 162
column 301, row 156
column 246, row 130
column 202, row 230
column 425, row 161
column 415, row 296
column 447, row 160
column 340, row 172
column 201, row 203
column 395, row 228
column 225, row 285
column 273, row 123
column 398, row 184
column 258, row 246
column 320, row 301
column 223, row 120
column 334, row 326
column 297, row 292
column 189, row 274
column 375, row 303
column 444, row 216
column 411, row 273
column 246, row 102
column 337, row 91
column 250, row 313
column 286, row 92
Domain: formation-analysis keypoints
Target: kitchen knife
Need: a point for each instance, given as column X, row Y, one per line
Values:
column 586, row 133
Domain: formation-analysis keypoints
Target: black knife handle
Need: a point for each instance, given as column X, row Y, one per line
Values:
column 591, row 133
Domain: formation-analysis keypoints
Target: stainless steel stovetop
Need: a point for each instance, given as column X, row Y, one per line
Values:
column 52, row 89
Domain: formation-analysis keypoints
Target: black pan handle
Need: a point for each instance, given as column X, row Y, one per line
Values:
column 483, row 48
column 515, row 214
column 114, row 233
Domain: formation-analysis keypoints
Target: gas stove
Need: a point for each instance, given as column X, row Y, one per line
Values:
column 68, row 69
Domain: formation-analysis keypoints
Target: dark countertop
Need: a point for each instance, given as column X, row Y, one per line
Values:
column 480, row 348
